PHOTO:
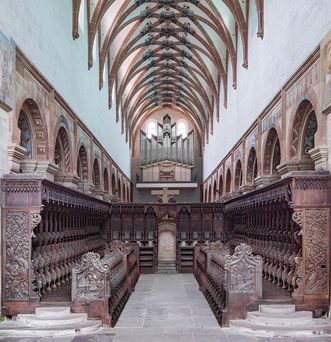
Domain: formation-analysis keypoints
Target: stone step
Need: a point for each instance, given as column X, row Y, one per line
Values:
column 282, row 319
column 15, row 328
column 39, row 321
column 277, row 309
column 317, row 327
column 55, row 312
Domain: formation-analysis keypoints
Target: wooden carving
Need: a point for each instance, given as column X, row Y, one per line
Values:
column 316, row 253
column 17, row 240
column 244, row 270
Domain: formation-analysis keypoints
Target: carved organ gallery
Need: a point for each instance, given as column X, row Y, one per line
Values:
column 80, row 226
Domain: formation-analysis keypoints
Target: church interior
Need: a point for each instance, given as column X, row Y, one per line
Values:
column 164, row 170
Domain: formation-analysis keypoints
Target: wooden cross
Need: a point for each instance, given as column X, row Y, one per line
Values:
column 165, row 194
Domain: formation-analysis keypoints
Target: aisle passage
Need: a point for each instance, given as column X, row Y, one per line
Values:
column 167, row 301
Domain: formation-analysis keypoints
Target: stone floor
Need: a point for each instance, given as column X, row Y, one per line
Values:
column 165, row 308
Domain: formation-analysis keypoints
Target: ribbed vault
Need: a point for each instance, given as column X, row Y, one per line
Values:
column 167, row 53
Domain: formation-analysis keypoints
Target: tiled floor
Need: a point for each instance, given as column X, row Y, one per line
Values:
column 166, row 308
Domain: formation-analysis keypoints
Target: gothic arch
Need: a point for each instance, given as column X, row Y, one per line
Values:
column 251, row 166
column 82, row 164
column 220, row 186
column 228, row 182
column 37, row 128
column 305, row 126
column 272, row 153
column 238, row 176
column 128, row 194
column 96, row 174
column 105, row 180
column 62, row 151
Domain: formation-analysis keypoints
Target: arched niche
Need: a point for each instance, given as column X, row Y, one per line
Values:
column 82, row 164
column 30, row 131
column 26, row 138
column 96, row 174
column 113, row 184
column 119, row 189
column 105, row 180
column 220, row 186
column 228, row 182
column 238, row 176
column 62, row 151
column 272, row 153
column 252, row 168
column 305, row 126
column 124, row 192
column 215, row 191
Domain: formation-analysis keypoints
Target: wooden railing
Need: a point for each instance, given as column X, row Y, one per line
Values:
column 47, row 229
column 102, row 286
column 230, row 283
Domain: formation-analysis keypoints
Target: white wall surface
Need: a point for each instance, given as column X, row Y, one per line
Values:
column 43, row 30
column 292, row 29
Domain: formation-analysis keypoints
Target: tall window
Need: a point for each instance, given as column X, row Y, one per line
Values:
column 151, row 129
column 182, row 129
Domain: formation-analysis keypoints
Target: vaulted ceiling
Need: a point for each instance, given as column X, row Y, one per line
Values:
column 167, row 53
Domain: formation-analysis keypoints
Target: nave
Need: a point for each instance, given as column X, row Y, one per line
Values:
column 166, row 308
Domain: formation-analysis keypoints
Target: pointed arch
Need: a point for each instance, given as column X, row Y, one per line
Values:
column 113, row 184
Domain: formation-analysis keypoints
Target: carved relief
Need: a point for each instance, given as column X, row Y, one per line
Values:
column 244, row 270
column 316, row 251
column 308, row 183
column 17, row 240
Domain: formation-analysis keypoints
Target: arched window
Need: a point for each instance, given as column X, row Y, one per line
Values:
column 25, row 136
column 105, row 180
column 151, row 128
column 238, row 176
column 182, row 128
column 251, row 166
column 228, row 182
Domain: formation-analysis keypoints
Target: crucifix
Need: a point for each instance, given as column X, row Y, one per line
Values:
column 165, row 194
